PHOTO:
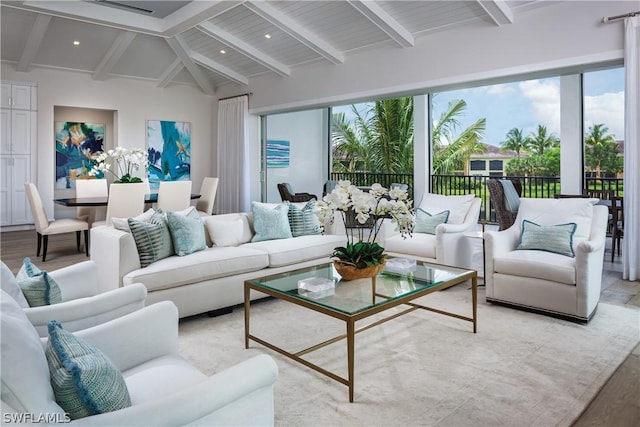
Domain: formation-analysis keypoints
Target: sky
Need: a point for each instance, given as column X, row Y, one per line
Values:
column 526, row 104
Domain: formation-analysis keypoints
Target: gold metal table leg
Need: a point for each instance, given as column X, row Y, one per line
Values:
column 350, row 356
column 247, row 304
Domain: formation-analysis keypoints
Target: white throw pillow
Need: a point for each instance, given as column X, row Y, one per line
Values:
column 458, row 206
column 123, row 225
column 225, row 233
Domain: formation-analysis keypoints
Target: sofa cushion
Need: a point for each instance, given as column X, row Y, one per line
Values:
column 458, row 206
column 208, row 264
column 298, row 249
column 212, row 223
column 123, row 224
column 554, row 238
column 37, row 286
column 419, row 244
column 537, row 264
column 187, row 232
column 302, row 218
column 270, row 222
column 9, row 284
column 225, row 233
column 427, row 223
column 85, row 381
column 25, row 375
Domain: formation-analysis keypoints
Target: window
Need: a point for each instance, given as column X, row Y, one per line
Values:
column 495, row 165
column 478, row 165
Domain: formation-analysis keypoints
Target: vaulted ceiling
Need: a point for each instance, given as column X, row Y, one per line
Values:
column 214, row 43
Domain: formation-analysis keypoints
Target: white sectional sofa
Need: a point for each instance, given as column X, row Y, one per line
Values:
column 211, row 279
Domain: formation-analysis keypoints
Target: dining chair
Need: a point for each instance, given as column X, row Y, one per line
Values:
column 125, row 201
column 91, row 188
column 208, row 191
column 44, row 227
column 174, row 195
column 617, row 224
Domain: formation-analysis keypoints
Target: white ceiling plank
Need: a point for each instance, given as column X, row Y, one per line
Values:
column 219, row 68
column 498, row 10
column 114, row 54
column 244, row 48
column 180, row 48
column 34, row 41
column 194, row 13
column 295, row 30
column 376, row 14
column 169, row 74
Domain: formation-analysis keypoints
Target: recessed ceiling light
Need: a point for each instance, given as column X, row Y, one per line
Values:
column 267, row 36
column 76, row 43
column 223, row 51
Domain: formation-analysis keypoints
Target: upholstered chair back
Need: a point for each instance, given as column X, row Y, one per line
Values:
column 174, row 195
column 125, row 200
column 37, row 209
column 208, row 192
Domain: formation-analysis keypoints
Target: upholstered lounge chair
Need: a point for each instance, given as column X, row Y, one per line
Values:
column 537, row 278
column 164, row 388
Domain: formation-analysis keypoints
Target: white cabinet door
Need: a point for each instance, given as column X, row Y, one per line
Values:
column 20, row 131
column 21, row 211
column 5, row 131
column 21, row 97
column 6, row 170
column 5, row 96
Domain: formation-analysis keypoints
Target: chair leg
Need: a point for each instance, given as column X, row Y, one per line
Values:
column 44, row 249
column 78, row 240
column 86, row 242
column 39, row 243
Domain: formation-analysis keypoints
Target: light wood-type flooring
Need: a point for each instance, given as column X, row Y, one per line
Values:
column 616, row 405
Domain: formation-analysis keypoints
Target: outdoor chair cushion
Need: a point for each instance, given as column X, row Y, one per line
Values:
column 458, row 206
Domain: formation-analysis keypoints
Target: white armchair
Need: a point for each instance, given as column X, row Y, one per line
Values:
column 164, row 388
column 82, row 305
column 448, row 245
column 543, row 281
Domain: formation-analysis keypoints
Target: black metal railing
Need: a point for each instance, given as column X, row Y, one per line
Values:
column 532, row 186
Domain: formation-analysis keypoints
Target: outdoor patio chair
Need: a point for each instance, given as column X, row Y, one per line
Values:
column 504, row 216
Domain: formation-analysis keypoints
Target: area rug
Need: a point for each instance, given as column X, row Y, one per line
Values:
column 425, row 369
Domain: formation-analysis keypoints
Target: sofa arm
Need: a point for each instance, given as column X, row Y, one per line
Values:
column 87, row 312
column 115, row 254
column 497, row 243
column 240, row 395
column 137, row 337
column 77, row 280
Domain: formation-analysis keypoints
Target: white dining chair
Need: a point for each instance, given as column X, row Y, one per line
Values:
column 125, row 201
column 44, row 227
column 208, row 191
column 174, row 195
column 92, row 188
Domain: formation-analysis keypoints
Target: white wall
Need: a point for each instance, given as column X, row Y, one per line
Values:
column 134, row 101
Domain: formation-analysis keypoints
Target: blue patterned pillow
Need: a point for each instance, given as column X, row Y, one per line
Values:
column 269, row 222
column 303, row 220
column 555, row 238
column 427, row 223
column 85, row 382
column 187, row 232
column 37, row 286
column 152, row 238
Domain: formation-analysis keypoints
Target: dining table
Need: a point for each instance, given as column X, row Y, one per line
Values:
column 103, row 201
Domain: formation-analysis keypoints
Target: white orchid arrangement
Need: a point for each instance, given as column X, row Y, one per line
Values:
column 375, row 204
column 127, row 161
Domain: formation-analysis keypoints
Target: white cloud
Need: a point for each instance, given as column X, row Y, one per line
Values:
column 545, row 102
column 608, row 109
column 500, row 89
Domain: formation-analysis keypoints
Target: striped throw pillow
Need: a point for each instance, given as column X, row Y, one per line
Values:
column 555, row 238
column 37, row 286
column 427, row 223
column 85, row 381
column 303, row 219
column 152, row 240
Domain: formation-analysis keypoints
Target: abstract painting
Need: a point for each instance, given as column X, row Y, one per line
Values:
column 277, row 153
column 76, row 144
column 169, row 148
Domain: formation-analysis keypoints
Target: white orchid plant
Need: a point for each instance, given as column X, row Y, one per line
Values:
column 362, row 250
column 127, row 161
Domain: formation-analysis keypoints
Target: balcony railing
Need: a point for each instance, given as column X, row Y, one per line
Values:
column 532, row 186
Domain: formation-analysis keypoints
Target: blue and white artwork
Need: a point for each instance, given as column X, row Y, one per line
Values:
column 278, row 153
column 169, row 148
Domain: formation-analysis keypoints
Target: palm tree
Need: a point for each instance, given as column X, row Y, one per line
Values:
column 515, row 141
column 450, row 151
column 601, row 150
column 540, row 141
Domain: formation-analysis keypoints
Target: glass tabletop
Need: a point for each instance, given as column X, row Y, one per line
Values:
column 354, row 296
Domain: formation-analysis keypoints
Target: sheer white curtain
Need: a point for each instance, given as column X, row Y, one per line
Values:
column 233, row 171
column 631, row 240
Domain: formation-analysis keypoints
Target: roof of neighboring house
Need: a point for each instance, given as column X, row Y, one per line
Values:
column 493, row 151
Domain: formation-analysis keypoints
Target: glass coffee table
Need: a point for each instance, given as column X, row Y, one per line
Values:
column 356, row 300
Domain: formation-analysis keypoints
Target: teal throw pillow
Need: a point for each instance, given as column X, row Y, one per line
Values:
column 427, row 223
column 85, row 381
column 37, row 286
column 187, row 232
column 152, row 238
column 555, row 238
column 270, row 222
column 303, row 219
